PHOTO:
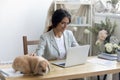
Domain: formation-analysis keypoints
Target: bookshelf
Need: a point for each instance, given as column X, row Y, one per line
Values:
column 81, row 11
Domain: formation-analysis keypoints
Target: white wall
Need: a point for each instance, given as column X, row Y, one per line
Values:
column 18, row 18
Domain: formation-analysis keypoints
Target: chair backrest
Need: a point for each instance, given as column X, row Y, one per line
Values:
column 27, row 42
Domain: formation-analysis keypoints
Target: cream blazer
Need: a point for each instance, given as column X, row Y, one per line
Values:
column 48, row 47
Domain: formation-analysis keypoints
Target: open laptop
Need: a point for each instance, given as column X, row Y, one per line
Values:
column 75, row 56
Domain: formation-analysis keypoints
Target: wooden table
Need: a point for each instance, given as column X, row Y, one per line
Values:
column 92, row 67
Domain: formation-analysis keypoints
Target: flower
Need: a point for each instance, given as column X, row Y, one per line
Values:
column 111, row 48
column 103, row 32
column 102, row 35
column 106, row 27
column 86, row 31
column 74, row 28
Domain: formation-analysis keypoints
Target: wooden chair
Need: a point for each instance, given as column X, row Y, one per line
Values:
column 27, row 42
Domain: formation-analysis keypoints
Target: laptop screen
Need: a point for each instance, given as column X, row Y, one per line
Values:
column 75, row 56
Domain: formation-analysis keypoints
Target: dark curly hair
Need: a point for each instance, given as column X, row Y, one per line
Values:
column 57, row 17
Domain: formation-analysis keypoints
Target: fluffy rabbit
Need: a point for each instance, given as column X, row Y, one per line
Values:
column 27, row 64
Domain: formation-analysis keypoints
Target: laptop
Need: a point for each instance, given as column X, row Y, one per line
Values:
column 75, row 56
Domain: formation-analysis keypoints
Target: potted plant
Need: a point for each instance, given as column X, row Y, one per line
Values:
column 103, row 32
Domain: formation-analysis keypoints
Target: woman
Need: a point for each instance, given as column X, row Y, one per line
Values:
column 55, row 42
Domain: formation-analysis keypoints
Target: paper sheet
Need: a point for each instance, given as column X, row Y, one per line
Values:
column 9, row 72
column 103, row 62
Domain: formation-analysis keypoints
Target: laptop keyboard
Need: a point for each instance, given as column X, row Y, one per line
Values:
column 62, row 64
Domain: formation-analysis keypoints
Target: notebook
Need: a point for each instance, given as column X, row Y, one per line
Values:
column 75, row 56
column 108, row 56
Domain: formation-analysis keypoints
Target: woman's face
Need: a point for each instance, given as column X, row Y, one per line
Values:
column 63, row 24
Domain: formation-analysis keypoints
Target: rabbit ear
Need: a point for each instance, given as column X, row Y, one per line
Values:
column 38, row 69
column 48, row 67
column 42, row 67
